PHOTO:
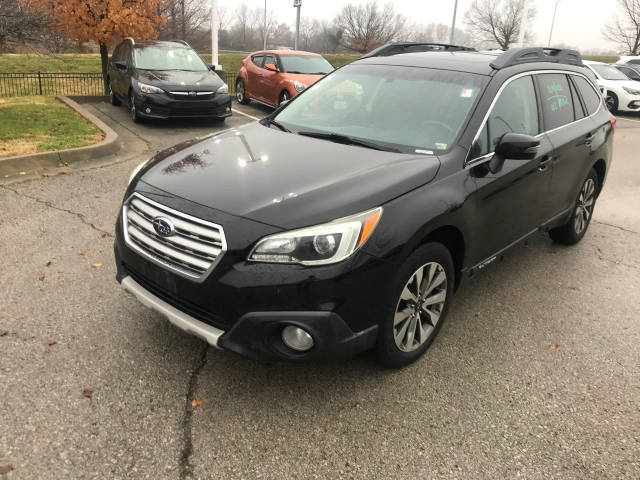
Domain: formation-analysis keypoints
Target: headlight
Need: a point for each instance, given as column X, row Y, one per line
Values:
column 299, row 86
column 144, row 88
column 223, row 89
column 327, row 243
column 135, row 172
column 631, row 91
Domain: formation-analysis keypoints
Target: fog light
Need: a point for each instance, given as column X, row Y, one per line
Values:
column 147, row 110
column 296, row 338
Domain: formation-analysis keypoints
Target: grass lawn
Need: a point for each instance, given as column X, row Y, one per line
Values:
column 38, row 124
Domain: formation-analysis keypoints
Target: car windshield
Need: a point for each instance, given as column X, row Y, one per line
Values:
column 167, row 58
column 608, row 72
column 408, row 108
column 305, row 64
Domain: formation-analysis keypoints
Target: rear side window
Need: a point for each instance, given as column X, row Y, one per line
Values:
column 578, row 111
column 270, row 59
column 557, row 105
column 515, row 111
column 591, row 98
column 117, row 54
column 258, row 60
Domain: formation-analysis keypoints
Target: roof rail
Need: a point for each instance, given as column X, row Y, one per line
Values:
column 184, row 42
column 410, row 47
column 133, row 42
column 517, row 56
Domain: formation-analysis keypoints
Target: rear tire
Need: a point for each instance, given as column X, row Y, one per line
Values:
column 572, row 232
column 421, row 293
column 241, row 93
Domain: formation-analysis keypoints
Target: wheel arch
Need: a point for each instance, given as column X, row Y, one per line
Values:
column 453, row 239
column 601, row 169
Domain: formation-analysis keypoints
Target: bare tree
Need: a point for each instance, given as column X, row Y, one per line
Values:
column 368, row 26
column 498, row 22
column 623, row 28
column 20, row 23
column 243, row 18
column 185, row 19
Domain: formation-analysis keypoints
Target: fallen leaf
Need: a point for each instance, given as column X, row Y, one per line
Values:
column 3, row 333
column 573, row 288
column 81, row 254
column 87, row 393
column 35, row 173
column 45, row 175
column 48, row 263
column 105, row 235
column 50, row 342
column 41, row 275
column 6, row 176
column 5, row 469
column 96, row 196
column 553, row 346
column 96, row 265
column 196, row 402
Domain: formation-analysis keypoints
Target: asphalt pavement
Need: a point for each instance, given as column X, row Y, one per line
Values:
column 535, row 374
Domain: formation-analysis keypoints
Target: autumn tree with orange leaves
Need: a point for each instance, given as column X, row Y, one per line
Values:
column 103, row 20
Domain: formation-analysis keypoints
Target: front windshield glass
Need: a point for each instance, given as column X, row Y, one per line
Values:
column 164, row 58
column 408, row 108
column 305, row 64
column 608, row 72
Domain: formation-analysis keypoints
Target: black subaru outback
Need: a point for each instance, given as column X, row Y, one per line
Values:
column 165, row 79
column 345, row 220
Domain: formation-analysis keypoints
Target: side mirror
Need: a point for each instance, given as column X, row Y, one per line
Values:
column 513, row 146
column 211, row 67
column 271, row 67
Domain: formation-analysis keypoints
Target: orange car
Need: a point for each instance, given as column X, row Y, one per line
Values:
column 274, row 76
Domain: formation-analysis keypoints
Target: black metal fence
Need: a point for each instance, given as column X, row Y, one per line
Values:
column 62, row 83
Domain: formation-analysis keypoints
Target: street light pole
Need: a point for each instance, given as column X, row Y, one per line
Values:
column 264, row 32
column 214, row 34
column 553, row 21
column 453, row 23
column 297, row 4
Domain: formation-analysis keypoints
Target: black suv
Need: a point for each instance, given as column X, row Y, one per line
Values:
column 165, row 79
column 345, row 220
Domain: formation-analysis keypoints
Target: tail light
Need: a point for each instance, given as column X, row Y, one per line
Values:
column 244, row 62
column 613, row 122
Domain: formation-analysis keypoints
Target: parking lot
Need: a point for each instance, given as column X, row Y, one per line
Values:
column 536, row 373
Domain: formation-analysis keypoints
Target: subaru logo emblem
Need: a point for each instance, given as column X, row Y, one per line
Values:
column 163, row 226
column 192, row 94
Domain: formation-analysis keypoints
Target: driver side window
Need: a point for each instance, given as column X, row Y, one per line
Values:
column 515, row 111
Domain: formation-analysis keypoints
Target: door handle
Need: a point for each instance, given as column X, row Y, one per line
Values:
column 589, row 138
column 544, row 163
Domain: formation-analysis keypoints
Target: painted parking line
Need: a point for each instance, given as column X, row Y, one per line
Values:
column 245, row 114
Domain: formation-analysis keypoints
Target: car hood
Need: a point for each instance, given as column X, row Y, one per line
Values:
column 181, row 79
column 283, row 179
column 303, row 78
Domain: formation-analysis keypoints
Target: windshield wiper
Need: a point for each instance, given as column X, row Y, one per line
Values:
column 347, row 140
column 271, row 121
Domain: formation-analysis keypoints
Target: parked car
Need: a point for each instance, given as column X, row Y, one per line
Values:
column 631, row 71
column 276, row 76
column 621, row 93
column 345, row 220
column 630, row 59
column 165, row 80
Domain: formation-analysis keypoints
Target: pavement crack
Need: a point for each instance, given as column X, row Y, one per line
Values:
column 187, row 439
column 615, row 226
column 49, row 204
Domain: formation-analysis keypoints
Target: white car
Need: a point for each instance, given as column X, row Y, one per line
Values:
column 621, row 94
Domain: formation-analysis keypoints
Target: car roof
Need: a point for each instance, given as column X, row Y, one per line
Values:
column 288, row 52
column 472, row 62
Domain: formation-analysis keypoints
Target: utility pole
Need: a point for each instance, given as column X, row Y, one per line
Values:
column 553, row 21
column 214, row 35
column 264, row 32
column 297, row 4
column 453, row 23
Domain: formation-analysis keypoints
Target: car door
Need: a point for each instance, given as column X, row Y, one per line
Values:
column 254, row 76
column 270, row 81
column 116, row 73
column 570, row 132
column 509, row 204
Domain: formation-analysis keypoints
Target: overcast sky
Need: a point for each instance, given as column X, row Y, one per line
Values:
column 578, row 22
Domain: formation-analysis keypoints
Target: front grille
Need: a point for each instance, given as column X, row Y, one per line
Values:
column 192, row 250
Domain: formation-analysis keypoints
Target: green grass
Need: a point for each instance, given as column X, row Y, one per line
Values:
column 602, row 58
column 11, row 63
column 39, row 124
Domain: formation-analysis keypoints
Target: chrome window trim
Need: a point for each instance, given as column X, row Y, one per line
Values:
column 497, row 96
column 160, row 262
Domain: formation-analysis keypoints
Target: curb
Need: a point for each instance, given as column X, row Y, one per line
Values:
column 38, row 161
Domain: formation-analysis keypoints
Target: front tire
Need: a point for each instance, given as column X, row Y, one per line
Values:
column 422, row 291
column 612, row 102
column 284, row 97
column 133, row 111
column 113, row 100
column 572, row 232
column 241, row 93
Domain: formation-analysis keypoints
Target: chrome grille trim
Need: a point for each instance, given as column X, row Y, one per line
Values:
column 193, row 251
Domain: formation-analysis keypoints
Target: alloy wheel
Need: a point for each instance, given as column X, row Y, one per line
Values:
column 584, row 206
column 610, row 102
column 420, row 306
column 240, row 92
column 284, row 96
column 132, row 108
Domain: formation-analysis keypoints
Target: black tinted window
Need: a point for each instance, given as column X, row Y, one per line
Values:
column 117, row 53
column 515, row 110
column 557, row 106
column 635, row 62
column 258, row 60
column 578, row 111
column 589, row 95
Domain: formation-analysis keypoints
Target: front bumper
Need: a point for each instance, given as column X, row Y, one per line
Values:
column 163, row 106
